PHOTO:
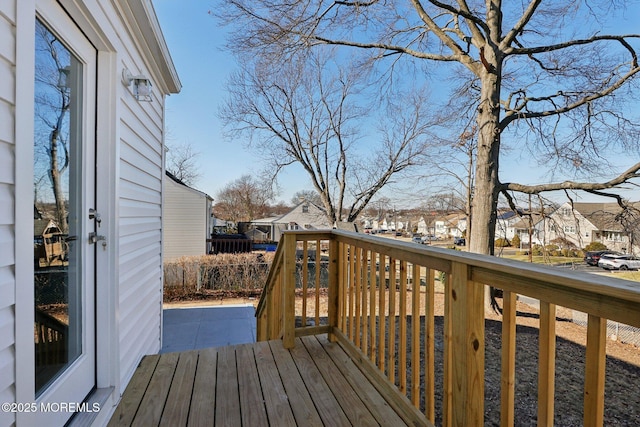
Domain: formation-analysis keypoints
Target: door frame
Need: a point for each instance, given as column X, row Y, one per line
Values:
column 77, row 379
column 85, row 18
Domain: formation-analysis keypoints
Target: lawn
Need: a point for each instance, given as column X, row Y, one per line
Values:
column 546, row 260
column 628, row 275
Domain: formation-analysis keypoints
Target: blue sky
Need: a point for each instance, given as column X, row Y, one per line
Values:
column 195, row 42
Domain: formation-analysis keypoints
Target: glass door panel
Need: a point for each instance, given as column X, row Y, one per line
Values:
column 60, row 224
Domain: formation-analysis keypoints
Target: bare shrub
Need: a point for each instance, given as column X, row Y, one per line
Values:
column 207, row 275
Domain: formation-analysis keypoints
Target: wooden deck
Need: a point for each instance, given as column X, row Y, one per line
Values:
column 260, row 384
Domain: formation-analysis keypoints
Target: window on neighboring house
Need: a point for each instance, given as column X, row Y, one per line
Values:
column 565, row 212
column 307, row 226
column 305, row 208
column 614, row 236
column 569, row 229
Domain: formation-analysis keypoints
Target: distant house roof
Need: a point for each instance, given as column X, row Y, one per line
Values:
column 178, row 181
column 604, row 216
column 523, row 224
column 506, row 215
column 313, row 215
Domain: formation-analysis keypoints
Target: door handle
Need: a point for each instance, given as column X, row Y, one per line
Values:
column 95, row 238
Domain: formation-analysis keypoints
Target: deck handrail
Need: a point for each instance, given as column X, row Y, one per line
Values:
column 356, row 266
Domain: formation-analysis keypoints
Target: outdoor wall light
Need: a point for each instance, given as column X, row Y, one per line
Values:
column 63, row 77
column 141, row 85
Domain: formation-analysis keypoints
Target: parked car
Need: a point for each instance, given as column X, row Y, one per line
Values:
column 619, row 262
column 459, row 241
column 417, row 239
column 592, row 257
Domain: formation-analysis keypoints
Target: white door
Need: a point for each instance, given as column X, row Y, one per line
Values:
column 65, row 222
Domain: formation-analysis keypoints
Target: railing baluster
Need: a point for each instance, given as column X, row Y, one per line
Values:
column 352, row 272
column 391, row 354
column 594, row 372
column 508, row 369
column 364, row 305
column 305, row 281
column 343, row 287
column 429, row 347
column 381, row 311
column 402, row 363
column 358, row 289
column 546, row 368
column 334, row 291
column 317, row 282
column 289, row 290
column 447, row 382
column 373, row 286
column 415, row 336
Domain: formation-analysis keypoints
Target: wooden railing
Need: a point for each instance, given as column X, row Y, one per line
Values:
column 376, row 297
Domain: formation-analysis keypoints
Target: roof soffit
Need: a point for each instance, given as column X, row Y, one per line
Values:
column 142, row 22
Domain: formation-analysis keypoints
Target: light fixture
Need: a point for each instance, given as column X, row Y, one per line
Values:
column 141, row 85
column 63, row 77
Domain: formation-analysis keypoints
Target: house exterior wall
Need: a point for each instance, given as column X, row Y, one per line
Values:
column 566, row 223
column 139, row 167
column 185, row 221
column 569, row 223
column 129, row 151
column 7, row 208
column 304, row 216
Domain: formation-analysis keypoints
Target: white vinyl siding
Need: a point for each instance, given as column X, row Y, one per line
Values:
column 185, row 221
column 7, row 208
column 140, row 234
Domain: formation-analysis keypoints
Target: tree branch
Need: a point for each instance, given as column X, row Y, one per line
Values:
column 629, row 174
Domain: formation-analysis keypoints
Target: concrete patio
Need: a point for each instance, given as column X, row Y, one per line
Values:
column 196, row 328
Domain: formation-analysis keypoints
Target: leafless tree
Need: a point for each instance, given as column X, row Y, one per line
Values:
column 244, row 199
column 308, row 111
column 543, row 76
column 309, row 195
column 182, row 162
column 52, row 104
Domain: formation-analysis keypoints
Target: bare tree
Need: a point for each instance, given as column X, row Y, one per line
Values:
column 52, row 104
column 563, row 91
column 244, row 199
column 182, row 162
column 309, row 195
column 304, row 111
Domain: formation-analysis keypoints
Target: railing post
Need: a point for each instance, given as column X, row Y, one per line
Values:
column 595, row 370
column 466, row 347
column 334, row 287
column 289, row 291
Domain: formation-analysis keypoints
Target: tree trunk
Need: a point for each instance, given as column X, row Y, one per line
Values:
column 487, row 184
column 485, row 193
column 56, row 183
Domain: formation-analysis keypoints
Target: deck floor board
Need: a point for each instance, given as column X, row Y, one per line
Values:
column 260, row 384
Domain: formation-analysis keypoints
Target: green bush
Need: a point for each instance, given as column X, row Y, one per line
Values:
column 596, row 246
column 502, row 243
column 515, row 242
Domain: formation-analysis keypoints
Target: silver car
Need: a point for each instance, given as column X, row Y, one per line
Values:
column 619, row 262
